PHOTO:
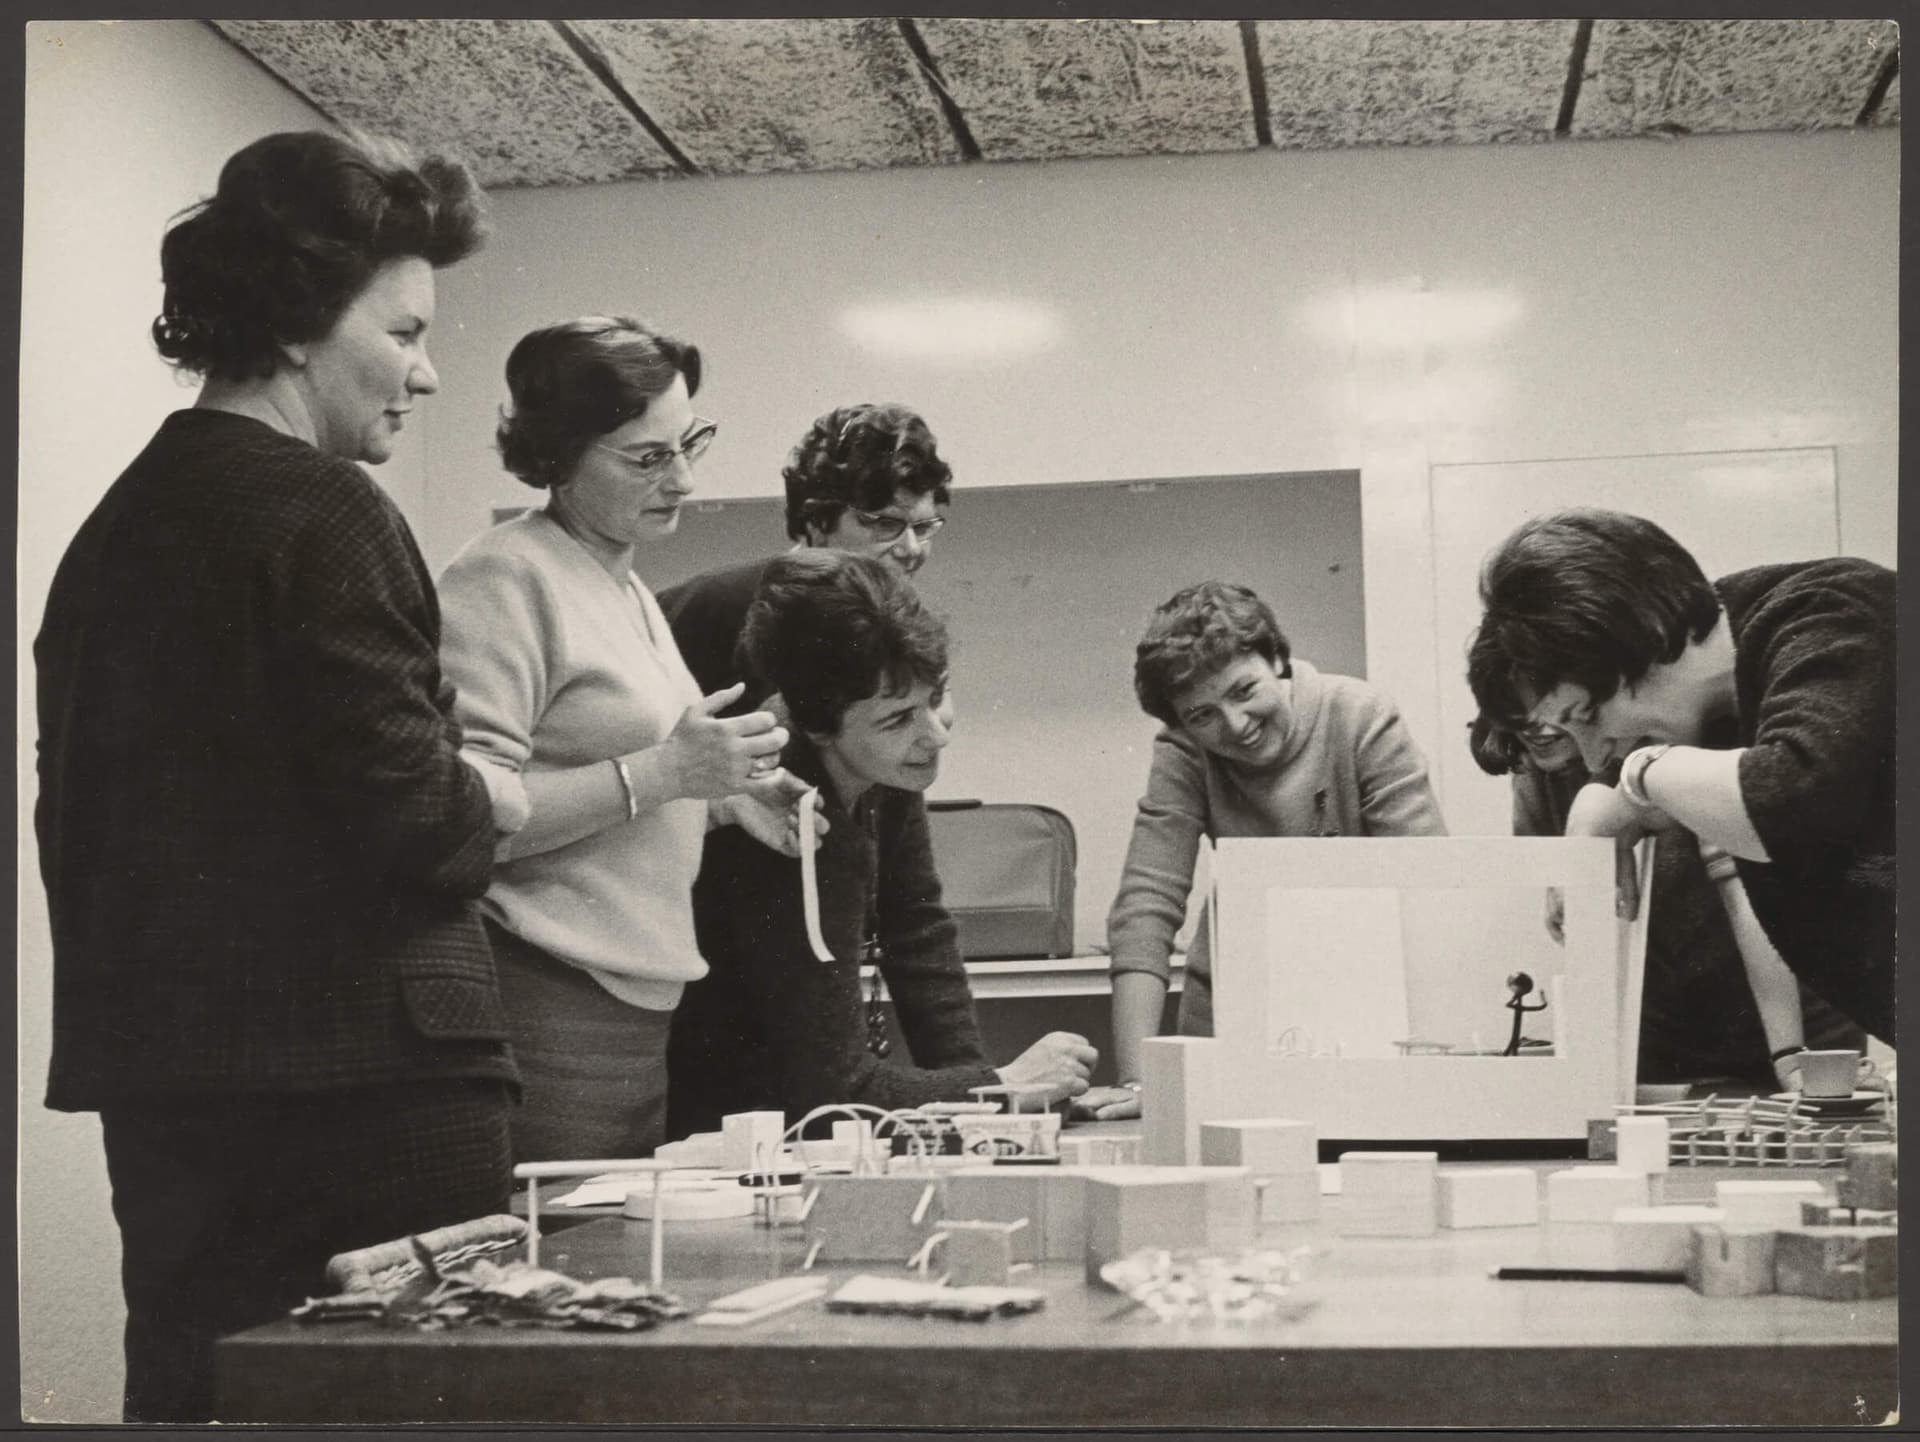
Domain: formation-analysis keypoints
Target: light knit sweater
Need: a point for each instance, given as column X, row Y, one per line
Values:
column 559, row 665
column 1348, row 768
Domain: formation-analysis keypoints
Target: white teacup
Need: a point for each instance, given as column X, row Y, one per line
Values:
column 1832, row 1073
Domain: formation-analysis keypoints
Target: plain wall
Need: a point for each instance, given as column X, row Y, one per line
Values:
column 1381, row 310
column 125, row 124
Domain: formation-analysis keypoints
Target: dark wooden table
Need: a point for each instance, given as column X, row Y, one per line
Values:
column 1404, row 1332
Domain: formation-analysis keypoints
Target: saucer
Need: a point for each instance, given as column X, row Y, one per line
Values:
column 1856, row 1105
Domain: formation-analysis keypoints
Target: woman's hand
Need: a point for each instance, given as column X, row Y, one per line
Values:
column 1107, row 1104
column 1602, row 810
column 768, row 810
column 1060, row 1062
column 711, row 756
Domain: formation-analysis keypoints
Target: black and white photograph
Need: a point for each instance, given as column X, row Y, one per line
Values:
column 984, row 722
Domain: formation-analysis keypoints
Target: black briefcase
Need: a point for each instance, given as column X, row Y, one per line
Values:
column 1006, row 873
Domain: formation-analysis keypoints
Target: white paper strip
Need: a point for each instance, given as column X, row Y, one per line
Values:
column 810, row 875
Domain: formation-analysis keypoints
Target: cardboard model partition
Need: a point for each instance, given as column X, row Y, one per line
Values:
column 1365, row 985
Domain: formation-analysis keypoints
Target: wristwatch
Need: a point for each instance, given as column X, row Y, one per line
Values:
column 1633, row 772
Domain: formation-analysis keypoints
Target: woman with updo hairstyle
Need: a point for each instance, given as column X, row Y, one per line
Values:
column 571, row 687
column 261, row 844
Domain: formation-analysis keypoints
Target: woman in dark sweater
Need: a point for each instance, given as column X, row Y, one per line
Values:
column 1708, row 1012
column 1756, row 711
column 260, row 843
column 862, row 668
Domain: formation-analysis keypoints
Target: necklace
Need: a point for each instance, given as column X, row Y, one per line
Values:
column 873, row 952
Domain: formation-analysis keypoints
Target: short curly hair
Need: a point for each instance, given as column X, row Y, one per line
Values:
column 295, row 229
column 1589, row 597
column 861, row 456
column 1196, row 632
column 574, row 382
column 828, row 628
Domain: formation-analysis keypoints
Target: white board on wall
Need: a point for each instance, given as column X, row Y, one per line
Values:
column 1732, row 509
column 1046, row 588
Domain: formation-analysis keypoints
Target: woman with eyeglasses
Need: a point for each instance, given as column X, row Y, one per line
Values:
column 569, row 679
column 1710, row 1010
column 864, row 478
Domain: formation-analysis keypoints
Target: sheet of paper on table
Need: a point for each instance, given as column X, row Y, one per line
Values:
column 610, row 1189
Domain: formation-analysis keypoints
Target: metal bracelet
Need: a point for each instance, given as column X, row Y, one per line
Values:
column 626, row 785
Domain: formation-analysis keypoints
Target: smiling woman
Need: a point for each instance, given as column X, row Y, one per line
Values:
column 1256, row 743
column 861, row 665
column 260, row 846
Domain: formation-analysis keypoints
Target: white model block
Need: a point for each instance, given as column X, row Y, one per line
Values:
column 1267, row 1144
column 1052, row 1200
column 1389, row 1194
column 751, row 1140
column 1183, row 1082
column 1289, row 1196
column 1756, row 1205
column 1642, row 1144
column 979, row 1254
column 1207, row 1209
column 1658, row 1239
column 703, row 1150
column 1594, row 1194
column 1727, row 1263
column 1872, row 1179
column 853, row 1142
column 1085, row 1151
column 869, row 1219
column 1488, row 1196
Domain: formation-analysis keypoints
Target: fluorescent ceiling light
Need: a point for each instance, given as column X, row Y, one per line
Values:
column 952, row 328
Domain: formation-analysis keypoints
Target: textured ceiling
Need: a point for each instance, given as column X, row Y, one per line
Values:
column 537, row 102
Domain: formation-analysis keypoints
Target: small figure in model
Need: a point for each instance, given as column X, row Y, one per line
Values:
column 1520, row 984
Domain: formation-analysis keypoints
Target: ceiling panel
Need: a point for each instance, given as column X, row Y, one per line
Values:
column 746, row 96
column 509, row 95
column 534, row 102
column 1413, row 82
column 1048, row 89
column 1701, row 76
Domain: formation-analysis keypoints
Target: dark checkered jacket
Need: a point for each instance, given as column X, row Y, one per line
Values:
column 260, row 847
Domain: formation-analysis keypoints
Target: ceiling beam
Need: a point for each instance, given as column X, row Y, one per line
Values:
column 591, row 57
column 1576, row 70
column 1256, row 83
column 962, row 133
column 1883, row 78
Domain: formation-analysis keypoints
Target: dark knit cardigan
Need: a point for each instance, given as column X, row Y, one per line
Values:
column 260, row 845
column 1814, row 673
column 1698, row 1018
column 772, row 1028
column 707, row 614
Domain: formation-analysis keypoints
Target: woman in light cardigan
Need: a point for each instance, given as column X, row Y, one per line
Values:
column 1256, row 743
column 568, row 676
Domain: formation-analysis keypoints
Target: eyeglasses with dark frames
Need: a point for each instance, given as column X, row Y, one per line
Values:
column 884, row 528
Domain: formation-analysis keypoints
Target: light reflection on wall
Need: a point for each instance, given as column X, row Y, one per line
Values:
column 1392, row 318
column 964, row 330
